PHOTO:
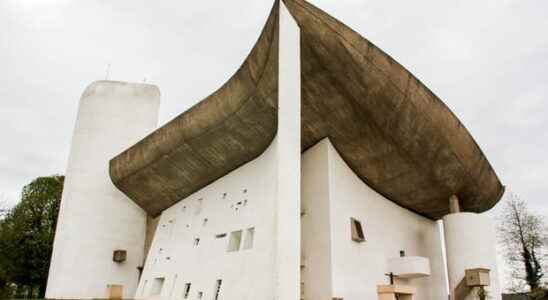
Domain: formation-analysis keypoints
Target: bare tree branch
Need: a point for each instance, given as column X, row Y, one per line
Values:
column 523, row 236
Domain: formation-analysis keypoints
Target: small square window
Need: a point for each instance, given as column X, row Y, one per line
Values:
column 249, row 237
column 234, row 241
column 357, row 231
column 157, row 286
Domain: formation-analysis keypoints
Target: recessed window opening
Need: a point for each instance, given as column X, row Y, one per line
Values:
column 245, row 202
column 357, row 231
column 224, row 195
column 186, row 291
column 205, row 222
column 249, row 237
column 220, row 235
column 173, row 286
column 245, row 191
column 196, row 241
column 200, row 295
column 157, row 286
column 217, row 289
column 234, row 241
column 171, row 227
column 184, row 208
column 198, row 206
column 144, row 287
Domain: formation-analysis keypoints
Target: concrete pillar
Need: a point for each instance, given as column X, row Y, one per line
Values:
column 95, row 218
column 470, row 243
column 454, row 205
column 288, row 141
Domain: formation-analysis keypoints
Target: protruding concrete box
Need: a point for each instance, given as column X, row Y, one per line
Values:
column 477, row 277
column 396, row 292
column 409, row 267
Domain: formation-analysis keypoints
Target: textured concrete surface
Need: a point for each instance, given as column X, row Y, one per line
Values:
column 392, row 131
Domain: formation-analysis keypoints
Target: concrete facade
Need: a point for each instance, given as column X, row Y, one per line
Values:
column 95, row 218
column 318, row 168
column 244, row 199
column 331, row 264
column 334, row 266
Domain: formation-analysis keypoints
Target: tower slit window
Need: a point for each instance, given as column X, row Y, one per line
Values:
column 186, row 291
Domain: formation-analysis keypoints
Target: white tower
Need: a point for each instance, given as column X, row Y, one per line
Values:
column 95, row 219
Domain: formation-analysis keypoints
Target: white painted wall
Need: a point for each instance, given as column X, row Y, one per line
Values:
column 95, row 218
column 250, row 202
column 470, row 241
column 288, row 144
column 270, row 205
column 316, row 225
column 357, row 268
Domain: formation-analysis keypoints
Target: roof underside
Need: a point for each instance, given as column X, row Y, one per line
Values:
column 394, row 133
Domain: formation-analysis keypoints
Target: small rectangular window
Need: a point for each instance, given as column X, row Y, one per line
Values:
column 357, row 231
column 217, row 289
column 196, row 242
column 249, row 237
column 157, row 286
column 200, row 295
column 235, row 241
column 220, row 235
column 144, row 288
column 198, row 208
column 173, row 286
column 186, row 291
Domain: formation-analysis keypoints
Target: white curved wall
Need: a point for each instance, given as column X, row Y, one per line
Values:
column 245, row 198
column 95, row 218
column 470, row 241
column 336, row 266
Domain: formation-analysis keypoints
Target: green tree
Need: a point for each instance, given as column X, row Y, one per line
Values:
column 4, row 284
column 27, row 232
column 524, row 236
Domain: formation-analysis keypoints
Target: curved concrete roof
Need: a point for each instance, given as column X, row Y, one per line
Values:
column 392, row 131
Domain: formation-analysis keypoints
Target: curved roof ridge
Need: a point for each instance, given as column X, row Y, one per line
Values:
column 392, row 131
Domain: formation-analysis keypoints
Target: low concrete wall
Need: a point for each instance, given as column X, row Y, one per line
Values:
column 519, row 297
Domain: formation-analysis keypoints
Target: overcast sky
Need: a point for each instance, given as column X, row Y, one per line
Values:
column 488, row 60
